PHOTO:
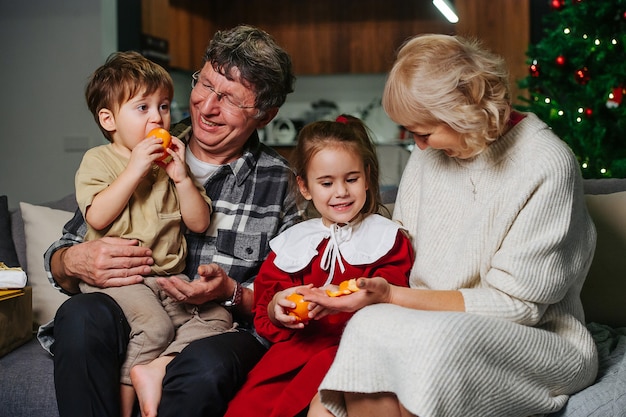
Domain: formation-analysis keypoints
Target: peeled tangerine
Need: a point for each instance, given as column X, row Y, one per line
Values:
column 301, row 311
column 165, row 136
column 345, row 288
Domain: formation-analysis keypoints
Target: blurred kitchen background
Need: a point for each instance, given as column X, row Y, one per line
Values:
column 341, row 51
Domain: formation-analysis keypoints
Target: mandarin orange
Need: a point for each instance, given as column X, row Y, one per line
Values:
column 301, row 310
column 165, row 136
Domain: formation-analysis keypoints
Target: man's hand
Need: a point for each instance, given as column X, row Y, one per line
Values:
column 106, row 262
column 212, row 285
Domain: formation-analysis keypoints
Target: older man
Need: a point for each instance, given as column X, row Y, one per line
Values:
column 245, row 78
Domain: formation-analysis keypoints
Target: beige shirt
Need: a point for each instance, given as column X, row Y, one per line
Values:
column 151, row 216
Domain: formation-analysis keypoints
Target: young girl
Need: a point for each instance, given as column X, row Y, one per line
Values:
column 337, row 169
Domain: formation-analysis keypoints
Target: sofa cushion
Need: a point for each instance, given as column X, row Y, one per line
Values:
column 67, row 203
column 42, row 227
column 605, row 286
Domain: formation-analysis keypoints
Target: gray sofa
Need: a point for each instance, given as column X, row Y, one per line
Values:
column 26, row 373
column 26, row 380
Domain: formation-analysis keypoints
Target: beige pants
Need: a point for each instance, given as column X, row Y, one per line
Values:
column 159, row 325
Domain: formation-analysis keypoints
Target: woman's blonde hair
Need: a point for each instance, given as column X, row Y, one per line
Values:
column 453, row 80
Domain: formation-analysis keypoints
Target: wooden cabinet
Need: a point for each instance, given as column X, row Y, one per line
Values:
column 504, row 27
column 185, row 24
column 322, row 36
column 337, row 36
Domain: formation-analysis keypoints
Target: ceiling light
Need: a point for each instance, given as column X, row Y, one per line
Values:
column 446, row 10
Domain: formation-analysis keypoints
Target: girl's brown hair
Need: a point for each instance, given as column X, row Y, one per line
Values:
column 350, row 133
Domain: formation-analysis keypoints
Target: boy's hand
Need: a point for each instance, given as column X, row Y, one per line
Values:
column 143, row 155
column 176, row 167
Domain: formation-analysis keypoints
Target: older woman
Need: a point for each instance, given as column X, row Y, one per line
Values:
column 492, row 324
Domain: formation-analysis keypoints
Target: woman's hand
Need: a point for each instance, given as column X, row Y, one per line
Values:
column 371, row 291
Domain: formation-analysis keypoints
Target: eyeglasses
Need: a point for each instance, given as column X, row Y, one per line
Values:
column 204, row 89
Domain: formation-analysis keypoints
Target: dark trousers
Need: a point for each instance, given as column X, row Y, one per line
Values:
column 91, row 335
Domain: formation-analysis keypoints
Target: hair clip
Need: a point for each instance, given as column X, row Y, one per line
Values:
column 342, row 119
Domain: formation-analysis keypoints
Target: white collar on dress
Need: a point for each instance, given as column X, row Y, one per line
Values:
column 361, row 243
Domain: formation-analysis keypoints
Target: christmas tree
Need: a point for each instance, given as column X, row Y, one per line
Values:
column 577, row 79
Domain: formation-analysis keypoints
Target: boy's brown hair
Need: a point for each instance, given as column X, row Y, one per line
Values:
column 121, row 77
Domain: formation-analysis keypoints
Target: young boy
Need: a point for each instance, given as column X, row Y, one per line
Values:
column 126, row 189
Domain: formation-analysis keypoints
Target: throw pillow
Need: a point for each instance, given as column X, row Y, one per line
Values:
column 42, row 227
column 7, row 248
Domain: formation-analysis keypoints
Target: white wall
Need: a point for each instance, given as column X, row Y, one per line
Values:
column 49, row 48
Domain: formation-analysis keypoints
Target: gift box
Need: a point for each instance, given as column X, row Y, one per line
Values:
column 16, row 318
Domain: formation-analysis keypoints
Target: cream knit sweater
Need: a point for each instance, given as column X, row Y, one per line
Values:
column 510, row 230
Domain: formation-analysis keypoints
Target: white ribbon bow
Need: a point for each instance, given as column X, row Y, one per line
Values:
column 332, row 254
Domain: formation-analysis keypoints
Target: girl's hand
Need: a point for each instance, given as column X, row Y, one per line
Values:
column 371, row 291
column 278, row 309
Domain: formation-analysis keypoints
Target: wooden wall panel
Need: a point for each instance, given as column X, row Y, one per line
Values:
column 334, row 37
column 503, row 26
column 322, row 36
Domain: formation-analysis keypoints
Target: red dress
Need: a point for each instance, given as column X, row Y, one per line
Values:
column 286, row 379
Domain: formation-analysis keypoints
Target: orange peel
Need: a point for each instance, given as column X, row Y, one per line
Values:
column 345, row 287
